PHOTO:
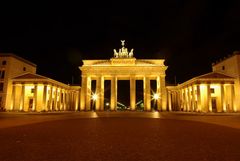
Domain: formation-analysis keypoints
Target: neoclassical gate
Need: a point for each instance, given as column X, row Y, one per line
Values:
column 123, row 66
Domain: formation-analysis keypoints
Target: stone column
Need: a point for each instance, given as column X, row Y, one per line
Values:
column 70, row 100
column 113, row 103
column 233, row 98
column 49, row 106
column 186, row 99
column 209, row 99
column 88, row 93
column 13, row 97
column 147, row 95
column 179, row 100
column 102, row 94
column 163, row 93
column 67, row 101
column 169, row 101
column 83, row 93
column 64, row 100
column 98, row 92
column 193, row 99
column 55, row 99
column 199, row 106
column 159, row 106
column 223, row 99
column 76, row 101
column 132, row 93
column 44, row 97
column 22, row 98
column 35, row 98
column 60, row 99
column 174, row 101
column 70, row 95
column 189, row 100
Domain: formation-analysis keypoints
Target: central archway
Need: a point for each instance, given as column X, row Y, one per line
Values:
column 123, row 66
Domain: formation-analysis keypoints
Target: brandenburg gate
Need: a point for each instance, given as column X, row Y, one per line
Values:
column 123, row 66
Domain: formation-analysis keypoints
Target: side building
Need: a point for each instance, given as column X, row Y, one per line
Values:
column 217, row 91
column 21, row 89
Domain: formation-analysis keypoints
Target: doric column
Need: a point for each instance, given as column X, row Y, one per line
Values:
column 113, row 103
column 60, row 99
column 132, row 93
column 169, row 101
column 223, row 99
column 189, row 100
column 173, row 100
column 193, row 99
column 186, row 99
column 50, row 99
column 64, row 100
column 55, row 99
column 22, row 98
column 102, row 93
column 163, row 93
column 69, row 95
column 44, row 97
column 179, row 100
column 67, row 100
column 13, row 97
column 147, row 95
column 98, row 92
column 233, row 98
column 35, row 97
column 89, row 93
column 76, row 101
column 199, row 106
column 70, row 98
column 83, row 93
column 209, row 99
column 159, row 105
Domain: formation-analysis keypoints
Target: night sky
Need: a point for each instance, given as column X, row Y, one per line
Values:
column 189, row 35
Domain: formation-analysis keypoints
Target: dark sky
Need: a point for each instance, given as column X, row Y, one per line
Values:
column 190, row 35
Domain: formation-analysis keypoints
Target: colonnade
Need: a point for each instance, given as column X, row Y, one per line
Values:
column 86, row 91
column 203, row 98
column 43, row 97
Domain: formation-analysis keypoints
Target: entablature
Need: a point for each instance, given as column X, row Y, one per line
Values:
column 126, row 70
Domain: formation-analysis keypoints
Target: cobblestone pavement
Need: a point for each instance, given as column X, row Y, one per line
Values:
column 70, row 136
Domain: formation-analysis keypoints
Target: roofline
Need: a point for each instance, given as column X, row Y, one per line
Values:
column 227, row 57
column 18, row 57
column 202, row 79
column 40, row 79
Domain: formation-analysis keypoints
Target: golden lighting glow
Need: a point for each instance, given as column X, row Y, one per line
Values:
column 107, row 104
column 156, row 96
column 156, row 114
column 94, row 96
column 94, row 115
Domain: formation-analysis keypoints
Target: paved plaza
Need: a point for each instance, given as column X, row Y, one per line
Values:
column 70, row 136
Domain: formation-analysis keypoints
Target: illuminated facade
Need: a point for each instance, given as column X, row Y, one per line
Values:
column 217, row 91
column 123, row 66
column 21, row 89
column 24, row 90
